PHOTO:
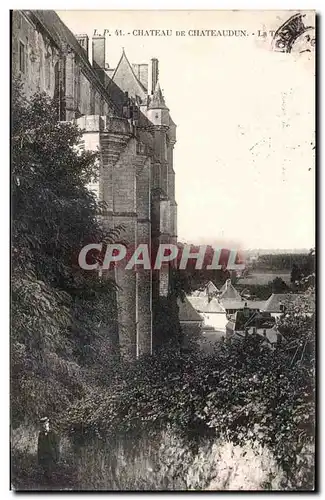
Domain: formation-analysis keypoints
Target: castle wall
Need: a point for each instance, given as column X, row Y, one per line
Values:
column 144, row 276
column 40, row 56
column 133, row 160
column 51, row 68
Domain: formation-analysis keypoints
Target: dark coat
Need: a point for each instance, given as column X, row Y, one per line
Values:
column 48, row 448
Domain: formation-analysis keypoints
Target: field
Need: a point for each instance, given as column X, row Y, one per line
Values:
column 263, row 278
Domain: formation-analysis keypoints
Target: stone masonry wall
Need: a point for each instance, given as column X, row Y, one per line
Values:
column 136, row 163
column 41, row 56
column 144, row 277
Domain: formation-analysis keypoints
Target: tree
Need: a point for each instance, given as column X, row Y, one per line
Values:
column 58, row 309
column 295, row 274
column 278, row 285
column 303, row 271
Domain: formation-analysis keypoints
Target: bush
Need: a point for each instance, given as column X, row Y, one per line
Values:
column 58, row 310
column 243, row 391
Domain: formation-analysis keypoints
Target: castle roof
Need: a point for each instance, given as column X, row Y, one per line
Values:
column 157, row 100
column 125, row 77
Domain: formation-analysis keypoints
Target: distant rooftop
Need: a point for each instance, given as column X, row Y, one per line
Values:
column 206, row 304
column 187, row 313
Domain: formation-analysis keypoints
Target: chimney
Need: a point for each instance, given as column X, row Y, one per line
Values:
column 83, row 40
column 154, row 74
column 99, row 50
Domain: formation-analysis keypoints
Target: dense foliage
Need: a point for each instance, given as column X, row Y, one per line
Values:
column 59, row 311
column 277, row 262
column 244, row 390
column 263, row 292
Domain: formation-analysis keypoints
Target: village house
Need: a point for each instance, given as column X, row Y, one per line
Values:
column 209, row 290
column 232, row 300
column 278, row 303
column 205, row 302
column 190, row 322
column 261, row 325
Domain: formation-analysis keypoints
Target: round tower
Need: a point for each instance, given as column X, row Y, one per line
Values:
column 158, row 113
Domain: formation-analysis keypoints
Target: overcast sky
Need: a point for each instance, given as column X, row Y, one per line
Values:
column 244, row 161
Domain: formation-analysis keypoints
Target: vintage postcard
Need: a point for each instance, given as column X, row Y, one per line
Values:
column 163, row 250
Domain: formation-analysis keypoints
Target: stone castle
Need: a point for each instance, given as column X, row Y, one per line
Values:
column 123, row 114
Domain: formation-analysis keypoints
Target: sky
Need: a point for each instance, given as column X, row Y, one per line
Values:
column 244, row 157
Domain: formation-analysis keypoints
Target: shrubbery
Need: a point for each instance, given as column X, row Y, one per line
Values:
column 58, row 310
column 241, row 392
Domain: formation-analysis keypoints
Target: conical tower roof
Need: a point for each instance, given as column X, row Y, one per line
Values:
column 157, row 100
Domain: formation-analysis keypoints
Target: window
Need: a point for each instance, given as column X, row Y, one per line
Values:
column 92, row 101
column 48, row 70
column 19, row 20
column 78, row 85
column 21, row 57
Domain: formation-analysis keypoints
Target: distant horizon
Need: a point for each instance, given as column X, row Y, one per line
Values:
column 248, row 249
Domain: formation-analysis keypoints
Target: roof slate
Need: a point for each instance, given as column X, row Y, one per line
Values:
column 228, row 291
column 273, row 303
column 187, row 311
column 208, row 289
column 157, row 100
column 125, row 72
column 240, row 304
column 204, row 305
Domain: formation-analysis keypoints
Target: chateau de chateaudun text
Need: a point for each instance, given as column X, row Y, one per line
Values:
column 167, row 32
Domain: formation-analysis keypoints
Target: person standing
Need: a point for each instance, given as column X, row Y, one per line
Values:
column 47, row 450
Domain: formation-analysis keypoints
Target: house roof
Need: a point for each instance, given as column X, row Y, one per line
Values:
column 240, row 304
column 258, row 320
column 206, row 305
column 187, row 311
column 208, row 289
column 228, row 291
column 270, row 334
column 273, row 303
